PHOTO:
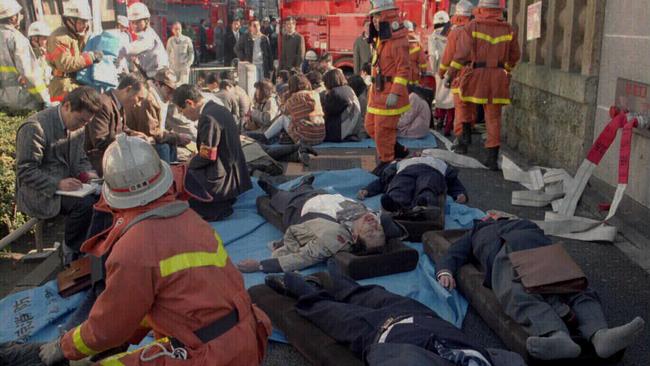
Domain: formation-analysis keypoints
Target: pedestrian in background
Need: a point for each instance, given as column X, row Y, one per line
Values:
column 218, row 35
column 203, row 40
column 361, row 49
column 181, row 53
column 293, row 46
column 230, row 41
column 254, row 47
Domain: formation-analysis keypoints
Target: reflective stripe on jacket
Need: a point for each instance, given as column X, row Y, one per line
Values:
column 64, row 53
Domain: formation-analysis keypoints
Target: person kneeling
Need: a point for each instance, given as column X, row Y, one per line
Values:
column 381, row 327
column 543, row 316
column 415, row 182
column 318, row 225
column 191, row 293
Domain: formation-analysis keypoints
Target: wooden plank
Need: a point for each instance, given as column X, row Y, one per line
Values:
column 551, row 32
column 569, row 36
column 594, row 24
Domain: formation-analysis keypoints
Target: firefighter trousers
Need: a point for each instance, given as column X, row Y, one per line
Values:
column 466, row 113
column 383, row 129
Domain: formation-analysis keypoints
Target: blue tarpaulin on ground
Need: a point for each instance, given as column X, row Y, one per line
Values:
column 246, row 235
column 428, row 142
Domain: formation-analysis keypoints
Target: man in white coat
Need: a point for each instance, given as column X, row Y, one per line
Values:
column 181, row 53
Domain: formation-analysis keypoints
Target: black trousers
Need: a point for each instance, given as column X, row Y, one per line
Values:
column 416, row 185
column 79, row 213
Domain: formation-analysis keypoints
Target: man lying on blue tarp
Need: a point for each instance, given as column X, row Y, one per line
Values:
column 544, row 317
column 415, row 181
column 383, row 328
column 317, row 225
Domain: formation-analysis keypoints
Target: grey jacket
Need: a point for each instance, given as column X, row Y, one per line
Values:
column 45, row 154
column 293, row 51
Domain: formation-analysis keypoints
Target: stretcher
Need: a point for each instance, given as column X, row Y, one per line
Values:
column 396, row 257
column 416, row 224
column 470, row 282
column 308, row 339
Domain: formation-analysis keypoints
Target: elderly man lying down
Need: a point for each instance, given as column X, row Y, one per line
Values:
column 547, row 315
column 382, row 328
column 317, row 225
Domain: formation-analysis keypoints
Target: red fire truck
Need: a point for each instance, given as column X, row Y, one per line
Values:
column 332, row 26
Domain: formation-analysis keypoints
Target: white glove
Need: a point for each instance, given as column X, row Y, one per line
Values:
column 391, row 100
column 51, row 353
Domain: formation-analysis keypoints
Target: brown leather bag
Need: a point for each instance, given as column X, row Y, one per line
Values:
column 76, row 278
column 548, row 270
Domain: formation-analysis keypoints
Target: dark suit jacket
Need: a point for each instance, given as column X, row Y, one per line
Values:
column 45, row 154
column 245, row 51
column 229, row 47
column 220, row 165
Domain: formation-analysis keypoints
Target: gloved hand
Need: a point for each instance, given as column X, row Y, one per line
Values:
column 391, row 100
column 51, row 353
column 97, row 56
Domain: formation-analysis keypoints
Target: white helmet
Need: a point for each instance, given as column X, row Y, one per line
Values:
column 381, row 5
column 409, row 25
column 77, row 9
column 134, row 175
column 138, row 11
column 9, row 8
column 493, row 4
column 464, row 8
column 123, row 21
column 39, row 28
column 440, row 17
column 311, row 56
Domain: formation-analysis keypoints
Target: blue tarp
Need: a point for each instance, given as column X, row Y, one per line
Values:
column 428, row 142
column 246, row 235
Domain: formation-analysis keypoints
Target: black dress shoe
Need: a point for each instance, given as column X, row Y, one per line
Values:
column 276, row 282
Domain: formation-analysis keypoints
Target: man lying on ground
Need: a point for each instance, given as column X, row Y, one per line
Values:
column 544, row 317
column 318, row 225
column 415, row 181
column 383, row 328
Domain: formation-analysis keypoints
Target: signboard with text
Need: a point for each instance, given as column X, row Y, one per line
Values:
column 633, row 96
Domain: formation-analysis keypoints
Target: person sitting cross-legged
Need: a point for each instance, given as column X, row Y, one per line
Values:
column 383, row 328
column 317, row 225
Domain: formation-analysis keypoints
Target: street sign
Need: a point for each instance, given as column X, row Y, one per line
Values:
column 633, row 96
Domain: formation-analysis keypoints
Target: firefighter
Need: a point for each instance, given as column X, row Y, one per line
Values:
column 388, row 97
column 417, row 57
column 38, row 33
column 147, row 52
column 486, row 52
column 462, row 128
column 21, row 82
column 191, row 295
column 65, row 49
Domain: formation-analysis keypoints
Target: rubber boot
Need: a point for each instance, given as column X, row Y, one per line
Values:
column 492, row 158
column 460, row 146
column 401, row 151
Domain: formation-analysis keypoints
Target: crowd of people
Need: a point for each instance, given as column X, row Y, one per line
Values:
column 168, row 155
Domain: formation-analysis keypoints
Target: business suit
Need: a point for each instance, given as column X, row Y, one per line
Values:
column 220, row 165
column 230, row 42
column 46, row 153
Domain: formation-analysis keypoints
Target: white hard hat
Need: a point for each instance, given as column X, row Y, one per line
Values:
column 409, row 25
column 39, row 28
column 464, row 8
column 123, row 21
column 381, row 5
column 9, row 8
column 440, row 17
column 77, row 9
column 493, row 4
column 138, row 11
column 311, row 56
column 134, row 175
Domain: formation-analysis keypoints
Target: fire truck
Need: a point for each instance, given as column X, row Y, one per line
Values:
column 332, row 26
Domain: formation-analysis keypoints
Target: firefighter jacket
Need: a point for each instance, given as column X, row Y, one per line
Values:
column 486, row 51
column 21, row 78
column 180, row 289
column 452, row 39
column 46, row 70
column 64, row 53
column 390, row 60
column 150, row 51
column 417, row 59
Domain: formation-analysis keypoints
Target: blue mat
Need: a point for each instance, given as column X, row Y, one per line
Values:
column 428, row 142
column 35, row 314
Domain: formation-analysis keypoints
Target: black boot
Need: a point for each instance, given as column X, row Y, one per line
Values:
column 401, row 151
column 267, row 186
column 281, row 153
column 460, row 145
column 492, row 158
column 303, row 153
column 258, row 136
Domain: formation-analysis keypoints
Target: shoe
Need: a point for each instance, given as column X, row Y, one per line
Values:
column 285, row 139
column 467, row 133
column 258, row 136
column 276, row 282
column 308, row 148
column 459, row 147
column 266, row 186
column 492, row 158
column 303, row 156
column 401, row 151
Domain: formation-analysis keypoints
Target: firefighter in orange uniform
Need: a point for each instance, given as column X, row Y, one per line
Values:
column 417, row 57
column 462, row 128
column 391, row 71
column 191, row 295
column 486, row 52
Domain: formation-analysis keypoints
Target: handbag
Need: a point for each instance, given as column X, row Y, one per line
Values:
column 548, row 270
